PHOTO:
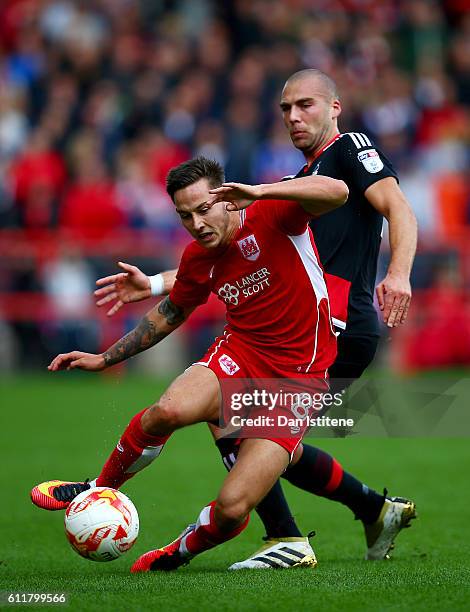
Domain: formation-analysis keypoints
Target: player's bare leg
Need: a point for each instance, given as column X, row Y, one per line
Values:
column 193, row 397
column 288, row 551
column 259, row 465
column 273, row 510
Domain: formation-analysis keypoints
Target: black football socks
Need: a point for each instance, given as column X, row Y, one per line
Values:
column 319, row 473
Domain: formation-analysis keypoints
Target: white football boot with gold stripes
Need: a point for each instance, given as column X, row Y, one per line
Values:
column 395, row 515
column 276, row 554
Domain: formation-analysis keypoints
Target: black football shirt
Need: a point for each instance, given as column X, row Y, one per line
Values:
column 348, row 238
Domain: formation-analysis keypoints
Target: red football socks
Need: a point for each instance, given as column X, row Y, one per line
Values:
column 134, row 451
column 207, row 535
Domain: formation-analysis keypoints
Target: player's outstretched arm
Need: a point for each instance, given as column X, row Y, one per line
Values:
column 155, row 325
column 316, row 194
column 237, row 195
column 394, row 292
column 132, row 285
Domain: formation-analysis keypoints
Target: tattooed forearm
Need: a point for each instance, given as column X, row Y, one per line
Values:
column 139, row 339
column 145, row 335
column 172, row 313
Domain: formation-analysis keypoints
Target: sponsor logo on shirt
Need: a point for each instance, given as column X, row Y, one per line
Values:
column 228, row 365
column 370, row 160
column 248, row 285
column 249, row 247
column 229, row 293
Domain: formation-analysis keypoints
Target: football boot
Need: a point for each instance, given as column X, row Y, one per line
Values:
column 56, row 494
column 396, row 514
column 170, row 557
column 280, row 553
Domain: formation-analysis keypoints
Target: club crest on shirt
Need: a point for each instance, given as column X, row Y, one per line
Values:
column 228, row 365
column 249, row 247
column 371, row 160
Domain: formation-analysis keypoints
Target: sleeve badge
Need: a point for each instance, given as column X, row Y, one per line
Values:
column 371, row 161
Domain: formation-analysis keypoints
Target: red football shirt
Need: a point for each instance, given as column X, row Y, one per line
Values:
column 272, row 284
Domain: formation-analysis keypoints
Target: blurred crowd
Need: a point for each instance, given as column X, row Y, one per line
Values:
column 99, row 98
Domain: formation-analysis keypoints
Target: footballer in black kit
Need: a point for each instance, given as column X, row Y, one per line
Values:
column 348, row 242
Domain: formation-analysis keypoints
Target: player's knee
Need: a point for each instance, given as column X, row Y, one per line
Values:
column 231, row 511
column 163, row 415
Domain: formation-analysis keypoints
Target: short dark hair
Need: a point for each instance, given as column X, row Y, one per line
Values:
column 191, row 172
column 326, row 80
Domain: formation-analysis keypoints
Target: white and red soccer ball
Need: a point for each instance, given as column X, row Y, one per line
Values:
column 101, row 524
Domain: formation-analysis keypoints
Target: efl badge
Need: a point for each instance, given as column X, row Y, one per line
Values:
column 371, row 160
column 228, row 365
column 249, row 248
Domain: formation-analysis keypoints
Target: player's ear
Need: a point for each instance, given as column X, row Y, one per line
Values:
column 335, row 109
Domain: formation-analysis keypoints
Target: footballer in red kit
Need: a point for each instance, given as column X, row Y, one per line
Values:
column 263, row 265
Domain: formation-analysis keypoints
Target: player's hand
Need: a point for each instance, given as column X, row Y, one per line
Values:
column 132, row 285
column 76, row 360
column 238, row 195
column 394, row 297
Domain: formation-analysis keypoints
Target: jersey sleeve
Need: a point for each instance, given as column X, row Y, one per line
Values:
column 287, row 216
column 363, row 163
column 193, row 280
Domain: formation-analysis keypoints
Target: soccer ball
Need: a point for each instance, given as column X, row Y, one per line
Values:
column 101, row 524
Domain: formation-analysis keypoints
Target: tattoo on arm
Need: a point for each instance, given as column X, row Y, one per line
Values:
column 139, row 339
column 172, row 313
column 145, row 335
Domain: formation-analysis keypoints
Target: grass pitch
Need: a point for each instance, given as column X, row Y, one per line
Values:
column 64, row 426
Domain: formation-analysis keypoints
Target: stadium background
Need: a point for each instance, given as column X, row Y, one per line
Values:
column 98, row 99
